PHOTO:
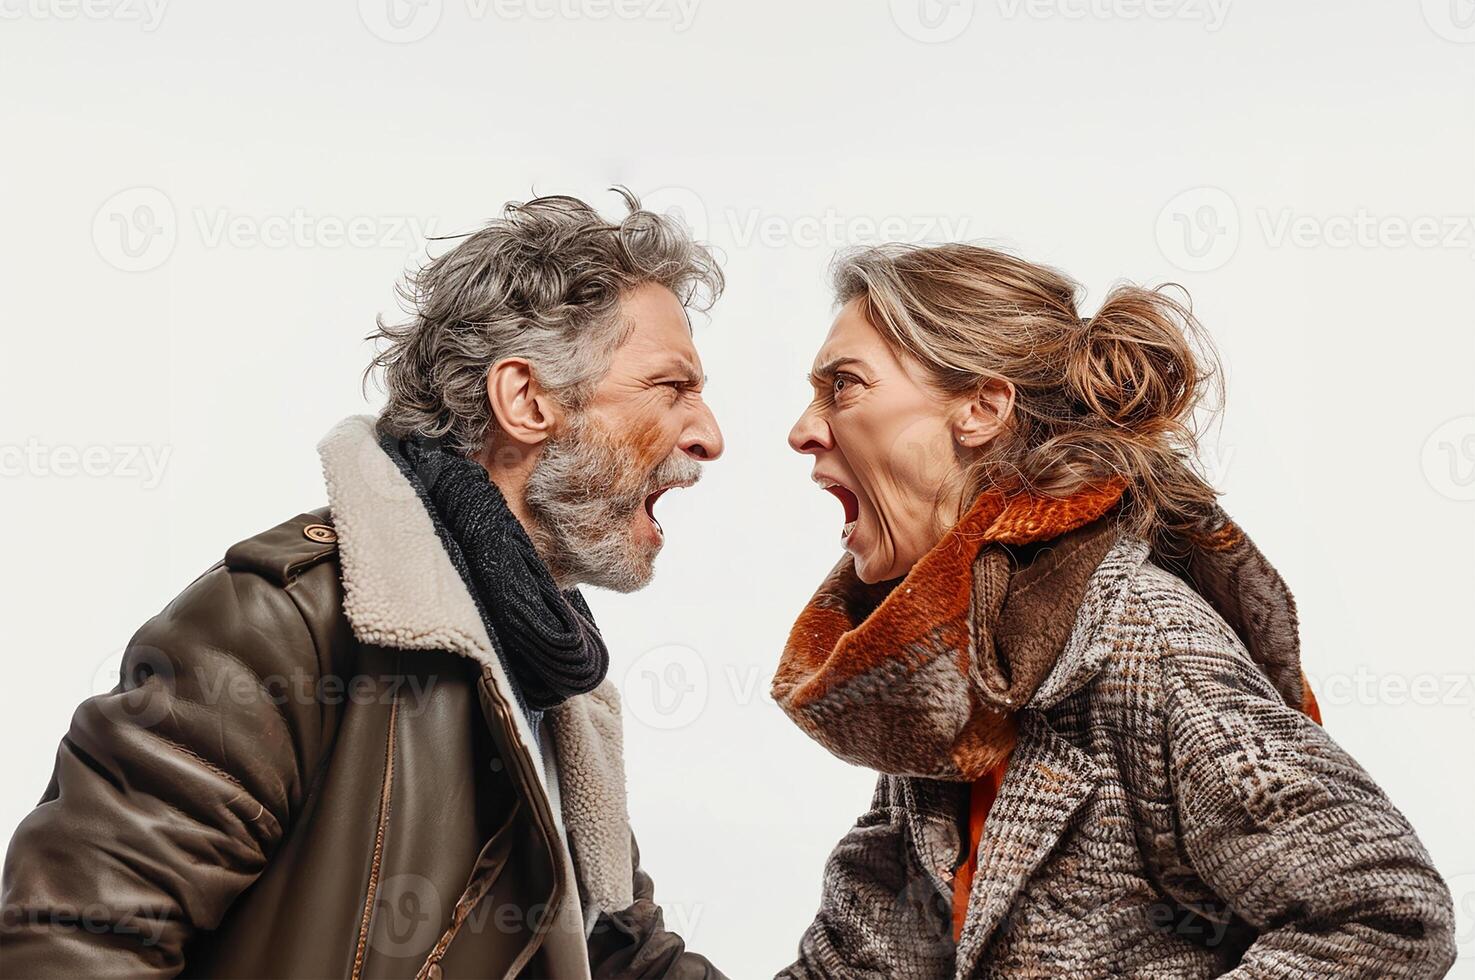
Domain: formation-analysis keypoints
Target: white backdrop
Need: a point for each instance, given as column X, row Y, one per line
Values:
column 205, row 206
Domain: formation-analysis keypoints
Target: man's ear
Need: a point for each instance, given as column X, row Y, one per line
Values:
column 982, row 419
column 523, row 408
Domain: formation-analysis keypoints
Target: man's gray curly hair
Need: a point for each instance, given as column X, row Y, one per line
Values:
column 544, row 282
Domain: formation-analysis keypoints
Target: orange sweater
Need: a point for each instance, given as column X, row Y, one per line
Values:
column 980, row 801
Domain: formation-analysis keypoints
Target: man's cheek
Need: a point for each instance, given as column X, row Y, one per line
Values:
column 649, row 444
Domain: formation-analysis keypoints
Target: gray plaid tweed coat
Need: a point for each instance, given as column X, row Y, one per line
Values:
column 1166, row 813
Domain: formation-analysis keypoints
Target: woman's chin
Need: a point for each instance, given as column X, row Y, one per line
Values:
column 870, row 568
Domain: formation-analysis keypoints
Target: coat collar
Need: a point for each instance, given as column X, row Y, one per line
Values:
column 1089, row 643
column 400, row 590
column 1229, row 572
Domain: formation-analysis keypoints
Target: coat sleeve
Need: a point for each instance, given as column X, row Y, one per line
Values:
column 634, row 944
column 169, row 793
column 1291, row 833
column 878, row 914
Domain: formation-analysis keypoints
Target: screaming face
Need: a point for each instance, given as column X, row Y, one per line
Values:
column 883, row 444
column 644, row 430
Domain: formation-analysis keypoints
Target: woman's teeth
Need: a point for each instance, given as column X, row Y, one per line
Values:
column 848, row 530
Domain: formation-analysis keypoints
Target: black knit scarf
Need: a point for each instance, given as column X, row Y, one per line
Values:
column 551, row 644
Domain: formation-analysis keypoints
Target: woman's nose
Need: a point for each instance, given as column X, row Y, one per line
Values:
column 810, row 434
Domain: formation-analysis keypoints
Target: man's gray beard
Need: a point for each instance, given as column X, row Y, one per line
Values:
column 582, row 495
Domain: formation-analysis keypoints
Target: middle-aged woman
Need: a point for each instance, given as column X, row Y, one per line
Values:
column 1079, row 680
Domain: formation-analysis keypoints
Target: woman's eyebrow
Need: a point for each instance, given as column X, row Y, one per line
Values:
column 829, row 368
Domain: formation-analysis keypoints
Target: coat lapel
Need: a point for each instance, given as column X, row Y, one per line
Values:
column 589, row 742
column 1048, row 778
column 1047, row 781
column 932, row 807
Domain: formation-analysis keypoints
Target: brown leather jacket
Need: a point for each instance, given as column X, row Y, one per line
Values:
column 313, row 767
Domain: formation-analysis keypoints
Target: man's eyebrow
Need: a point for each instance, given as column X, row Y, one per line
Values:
column 683, row 369
column 832, row 366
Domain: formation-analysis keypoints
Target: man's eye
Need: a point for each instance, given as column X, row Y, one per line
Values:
column 841, row 382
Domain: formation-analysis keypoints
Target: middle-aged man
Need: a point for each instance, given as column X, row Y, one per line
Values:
column 377, row 740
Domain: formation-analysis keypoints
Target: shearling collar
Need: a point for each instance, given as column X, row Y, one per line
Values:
column 400, row 590
column 923, row 677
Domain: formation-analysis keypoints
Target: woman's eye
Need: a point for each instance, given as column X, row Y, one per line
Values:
column 841, row 383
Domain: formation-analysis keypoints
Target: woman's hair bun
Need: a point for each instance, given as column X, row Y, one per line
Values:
column 1133, row 364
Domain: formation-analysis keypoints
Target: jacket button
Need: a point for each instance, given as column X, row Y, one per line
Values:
column 321, row 533
column 435, row 972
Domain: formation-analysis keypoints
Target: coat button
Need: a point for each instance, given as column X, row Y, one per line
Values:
column 435, row 972
column 321, row 533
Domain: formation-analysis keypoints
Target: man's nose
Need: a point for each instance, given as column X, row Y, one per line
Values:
column 702, row 438
column 810, row 434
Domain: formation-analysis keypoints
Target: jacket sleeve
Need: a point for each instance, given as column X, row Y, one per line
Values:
column 634, row 944
column 169, row 793
column 877, row 911
column 1291, row 833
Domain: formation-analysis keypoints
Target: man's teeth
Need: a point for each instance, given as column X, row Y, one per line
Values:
column 848, row 529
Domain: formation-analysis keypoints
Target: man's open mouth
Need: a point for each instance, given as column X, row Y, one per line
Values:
column 847, row 497
column 650, row 503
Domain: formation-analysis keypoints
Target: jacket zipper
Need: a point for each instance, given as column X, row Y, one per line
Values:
column 538, row 806
column 374, row 866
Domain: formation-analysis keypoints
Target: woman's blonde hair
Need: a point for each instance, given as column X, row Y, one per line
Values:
column 1110, row 396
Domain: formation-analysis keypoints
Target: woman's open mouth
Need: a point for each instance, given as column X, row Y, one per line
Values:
column 851, row 502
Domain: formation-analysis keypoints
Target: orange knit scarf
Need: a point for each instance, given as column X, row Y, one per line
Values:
column 884, row 676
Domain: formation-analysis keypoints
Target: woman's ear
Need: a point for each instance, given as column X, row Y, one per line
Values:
column 983, row 418
column 526, row 412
